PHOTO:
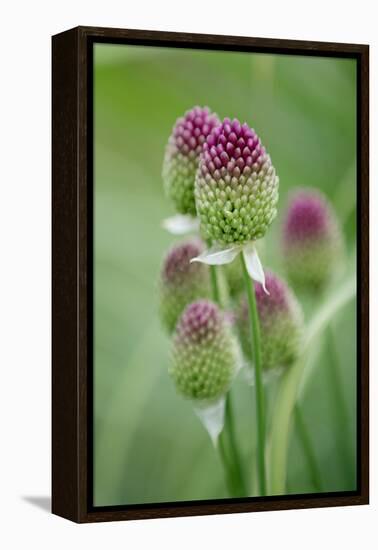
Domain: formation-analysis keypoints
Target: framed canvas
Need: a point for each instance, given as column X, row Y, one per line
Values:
column 210, row 274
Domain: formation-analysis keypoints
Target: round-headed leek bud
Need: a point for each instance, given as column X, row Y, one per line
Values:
column 182, row 156
column 281, row 323
column 311, row 240
column 236, row 188
column 205, row 352
column 182, row 282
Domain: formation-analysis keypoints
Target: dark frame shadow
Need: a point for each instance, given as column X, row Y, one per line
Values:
column 41, row 502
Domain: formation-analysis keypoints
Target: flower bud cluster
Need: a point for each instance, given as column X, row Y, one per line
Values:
column 236, row 189
column 205, row 352
column 182, row 282
column 182, row 156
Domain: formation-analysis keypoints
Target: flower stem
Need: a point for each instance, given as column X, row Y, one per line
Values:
column 236, row 462
column 308, row 449
column 214, row 284
column 230, row 459
column 228, row 470
column 259, row 388
column 294, row 381
column 228, row 439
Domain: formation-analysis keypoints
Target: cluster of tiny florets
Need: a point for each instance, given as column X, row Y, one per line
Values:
column 236, row 189
column 281, row 323
column 182, row 155
column 182, row 282
column 204, row 357
column 311, row 240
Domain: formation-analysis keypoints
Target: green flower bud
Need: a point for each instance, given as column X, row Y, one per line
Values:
column 281, row 323
column 182, row 155
column 205, row 353
column 236, row 187
column 182, row 282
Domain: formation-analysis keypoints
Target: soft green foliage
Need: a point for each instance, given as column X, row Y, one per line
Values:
column 294, row 384
column 149, row 447
column 311, row 268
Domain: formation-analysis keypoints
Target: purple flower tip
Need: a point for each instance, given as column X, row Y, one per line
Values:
column 311, row 240
column 177, row 262
column 204, row 353
column 182, row 155
column 182, row 282
column 308, row 217
column 236, row 188
column 191, row 130
column 279, row 296
column 281, row 323
column 234, row 146
column 200, row 321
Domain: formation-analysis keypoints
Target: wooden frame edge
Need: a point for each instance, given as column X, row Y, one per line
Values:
column 64, row 276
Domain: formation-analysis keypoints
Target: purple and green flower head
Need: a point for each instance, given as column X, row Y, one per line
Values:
column 236, row 186
column 181, row 281
column 182, row 156
column 281, row 324
column 311, row 240
column 236, row 194
column 205, row 353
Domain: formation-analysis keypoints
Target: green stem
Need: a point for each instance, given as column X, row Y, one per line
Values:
column 308, row 449
column 228, row 470
column 233, row 462
column 214, row 284
column 294, row 381
column 340, row 408
column 233, row 448
column 222, row 444
column 259, row 388
column 229, row 458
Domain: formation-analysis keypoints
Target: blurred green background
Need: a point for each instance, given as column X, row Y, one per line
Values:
column 148, row 444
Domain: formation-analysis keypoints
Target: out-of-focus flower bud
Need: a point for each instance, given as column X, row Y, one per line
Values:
column 311, row 240
column 182, row 155
column 281, row 324
column 182, row 282
column 205, row 352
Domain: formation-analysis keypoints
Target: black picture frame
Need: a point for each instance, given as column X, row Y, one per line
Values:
column 72, row 272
